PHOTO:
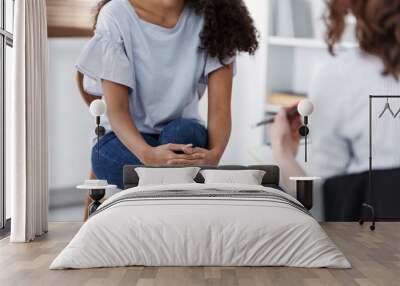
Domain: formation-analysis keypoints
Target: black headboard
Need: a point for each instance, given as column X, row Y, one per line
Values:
column 271, row 178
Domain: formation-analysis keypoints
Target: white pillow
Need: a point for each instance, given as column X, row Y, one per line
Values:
column 166, row 176
column 247, row 177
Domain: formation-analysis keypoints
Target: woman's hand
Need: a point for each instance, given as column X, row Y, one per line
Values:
column 167, row 155
column 206, row 157
column 285, row 137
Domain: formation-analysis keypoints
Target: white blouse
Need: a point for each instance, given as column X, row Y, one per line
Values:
column 165, row 69
column 340, row 124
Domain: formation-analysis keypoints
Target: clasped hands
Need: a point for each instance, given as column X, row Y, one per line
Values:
column 180, row 155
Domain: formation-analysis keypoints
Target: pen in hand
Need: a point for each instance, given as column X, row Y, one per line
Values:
column 292, row 113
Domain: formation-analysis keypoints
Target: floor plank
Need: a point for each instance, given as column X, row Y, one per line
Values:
column 375, row 257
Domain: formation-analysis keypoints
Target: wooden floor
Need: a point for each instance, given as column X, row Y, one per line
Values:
column 375, row 257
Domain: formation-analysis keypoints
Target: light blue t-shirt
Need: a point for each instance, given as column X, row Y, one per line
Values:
column 165, row 69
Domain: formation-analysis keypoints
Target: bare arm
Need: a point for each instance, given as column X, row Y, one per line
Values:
column 219, row 119
column 117, row 101
column 289, row 168
column 219, row 110
column 285, row 141
column 122, row 124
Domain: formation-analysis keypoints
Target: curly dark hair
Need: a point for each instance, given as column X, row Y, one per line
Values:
column 377, row 28
column 228, row 28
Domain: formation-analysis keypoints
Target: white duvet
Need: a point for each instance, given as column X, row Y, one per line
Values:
column 206, row 231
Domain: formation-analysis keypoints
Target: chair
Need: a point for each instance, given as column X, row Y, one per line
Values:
column 88, row 200
column 344, row 195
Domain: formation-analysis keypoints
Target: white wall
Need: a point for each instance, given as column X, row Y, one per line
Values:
column 70, row 124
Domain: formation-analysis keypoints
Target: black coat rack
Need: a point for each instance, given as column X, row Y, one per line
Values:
column 369, row 204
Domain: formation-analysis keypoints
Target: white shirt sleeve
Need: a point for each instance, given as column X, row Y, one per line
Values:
column 104, row 57
column 330, row 150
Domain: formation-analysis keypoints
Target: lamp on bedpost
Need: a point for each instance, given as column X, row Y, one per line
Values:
column 305, row 109
column 304, row 185
column 97, row 109
column 97, row 188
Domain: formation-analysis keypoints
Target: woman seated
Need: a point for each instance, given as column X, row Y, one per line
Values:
column 152, row 62
column 340, row 92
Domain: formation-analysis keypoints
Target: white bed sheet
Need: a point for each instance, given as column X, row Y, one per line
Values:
column 200, row 232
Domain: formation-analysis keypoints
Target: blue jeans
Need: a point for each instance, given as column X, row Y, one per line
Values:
column 113, row 155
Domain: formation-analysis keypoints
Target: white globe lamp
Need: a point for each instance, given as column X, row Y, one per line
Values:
column 305, row 109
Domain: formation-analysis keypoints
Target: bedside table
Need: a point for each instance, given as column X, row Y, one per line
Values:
column 304, row 190
column 96, row 193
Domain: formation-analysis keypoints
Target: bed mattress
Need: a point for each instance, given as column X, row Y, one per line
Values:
column 201, row 225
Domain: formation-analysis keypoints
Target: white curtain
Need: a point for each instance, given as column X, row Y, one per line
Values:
column 26, row 129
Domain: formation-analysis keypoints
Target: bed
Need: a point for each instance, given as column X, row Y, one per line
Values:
column 198, row 224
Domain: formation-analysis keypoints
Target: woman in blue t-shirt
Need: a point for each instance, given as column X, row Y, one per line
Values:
column 152, row 61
